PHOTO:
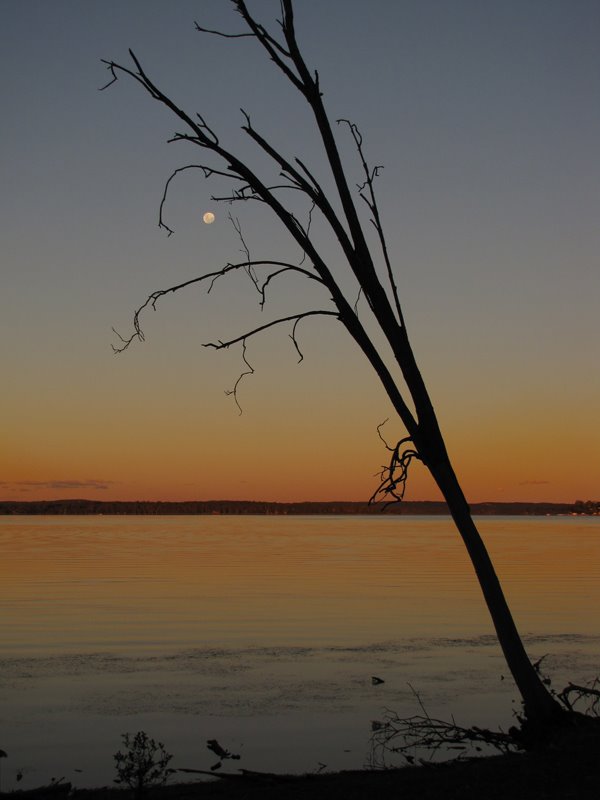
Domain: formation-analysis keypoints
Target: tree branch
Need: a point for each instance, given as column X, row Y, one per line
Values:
column 359, row 260
column 153, row 298
column 292, row 336
column 249, row 271
column 290, row 268
column 200, row 29
column 371, row 201
column 394, row 475
column 245, row 373
column 294, row 176
column 221, row 345
column 277, row 53
column 207, row 171
column 250, row 371
column 313, row 190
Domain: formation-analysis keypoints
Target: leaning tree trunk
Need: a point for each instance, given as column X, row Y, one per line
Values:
column 539, row 706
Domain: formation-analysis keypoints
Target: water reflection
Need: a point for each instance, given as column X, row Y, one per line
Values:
column 264, row 632
column 114, row 582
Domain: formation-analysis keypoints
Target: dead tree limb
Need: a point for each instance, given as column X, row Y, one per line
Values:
column 423, row 738
column 575, row 695
column 211, row 277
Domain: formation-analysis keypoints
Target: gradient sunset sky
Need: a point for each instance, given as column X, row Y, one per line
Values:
column 486, row 116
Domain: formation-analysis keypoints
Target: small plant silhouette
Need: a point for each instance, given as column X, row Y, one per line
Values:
column 144, row 763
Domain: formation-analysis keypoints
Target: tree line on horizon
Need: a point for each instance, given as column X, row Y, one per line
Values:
column 217, row 507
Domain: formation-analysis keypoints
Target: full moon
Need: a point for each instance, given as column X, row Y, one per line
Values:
column 208, row 218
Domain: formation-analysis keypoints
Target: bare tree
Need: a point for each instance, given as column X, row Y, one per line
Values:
column 376, row 284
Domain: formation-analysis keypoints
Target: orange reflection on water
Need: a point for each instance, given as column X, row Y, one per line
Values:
column 95, row 583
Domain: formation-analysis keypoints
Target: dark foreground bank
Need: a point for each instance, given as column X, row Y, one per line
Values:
column 571, row 771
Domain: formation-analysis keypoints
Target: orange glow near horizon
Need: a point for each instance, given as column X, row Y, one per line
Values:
column 239, row 463
column 302, row 436
column 307, row 432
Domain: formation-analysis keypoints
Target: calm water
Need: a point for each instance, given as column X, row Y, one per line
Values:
column 264, row 632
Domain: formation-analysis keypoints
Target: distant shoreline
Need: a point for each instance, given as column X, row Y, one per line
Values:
column 244, row 507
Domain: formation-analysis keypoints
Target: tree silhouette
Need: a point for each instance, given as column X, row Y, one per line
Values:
column 376, row 284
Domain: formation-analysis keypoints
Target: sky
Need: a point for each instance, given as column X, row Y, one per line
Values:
column 486, row 118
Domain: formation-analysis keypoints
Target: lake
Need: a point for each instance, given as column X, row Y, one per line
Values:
column 264, row 633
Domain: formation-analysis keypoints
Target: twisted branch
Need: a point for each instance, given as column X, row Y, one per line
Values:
column 394, row 475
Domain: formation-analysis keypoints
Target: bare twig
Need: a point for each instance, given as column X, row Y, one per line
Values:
column 237, row 225
column 223, row 345
column 201, row 29
column 371, row 201
column 307, row 229
column 585, row 697
column 207, row 171
column 245, row 373
column 212, row 277
column 422, row 737
column 290, row 268
column 574, row 694
column 277, row 52
column 424, row 734
column 394, row 475
column 295, row 341
column 357, row 301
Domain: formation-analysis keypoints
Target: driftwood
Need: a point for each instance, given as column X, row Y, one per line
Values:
column 52, row 790
column 421, row 738
column 241, row 774
column 573, row 694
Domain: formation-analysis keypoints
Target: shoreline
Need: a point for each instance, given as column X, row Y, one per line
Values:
column 570, row 770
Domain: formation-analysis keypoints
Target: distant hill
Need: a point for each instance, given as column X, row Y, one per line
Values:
column 256, row 507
